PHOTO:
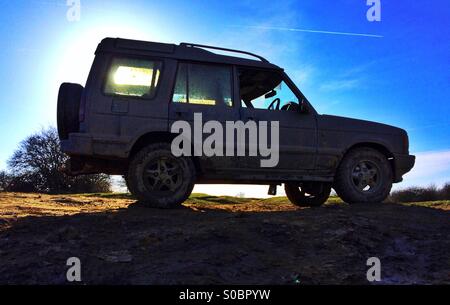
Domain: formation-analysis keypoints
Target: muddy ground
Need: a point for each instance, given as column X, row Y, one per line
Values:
column 220, row 240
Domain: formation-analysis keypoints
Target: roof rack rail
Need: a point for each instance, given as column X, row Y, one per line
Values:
column 193, row 45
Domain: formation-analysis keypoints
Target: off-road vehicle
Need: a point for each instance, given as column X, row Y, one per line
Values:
column 120, row 124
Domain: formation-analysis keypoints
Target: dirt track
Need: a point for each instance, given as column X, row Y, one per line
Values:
column 220, row 241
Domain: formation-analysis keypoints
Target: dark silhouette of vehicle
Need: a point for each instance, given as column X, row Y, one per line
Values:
column 120, row 124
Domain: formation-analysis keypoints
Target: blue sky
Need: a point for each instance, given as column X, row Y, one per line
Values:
column 401, row 78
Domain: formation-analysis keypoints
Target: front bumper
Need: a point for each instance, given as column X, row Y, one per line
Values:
column 402, row 165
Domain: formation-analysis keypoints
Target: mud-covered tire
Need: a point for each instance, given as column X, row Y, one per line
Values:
column 69, row 97
column 358, row 167
column 307, row 194
column 158, row 179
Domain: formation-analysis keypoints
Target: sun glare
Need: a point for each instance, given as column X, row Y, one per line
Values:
column 133, row 76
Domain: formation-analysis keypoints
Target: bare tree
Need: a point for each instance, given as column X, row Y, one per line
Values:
column 36, row 166
column 5, row 180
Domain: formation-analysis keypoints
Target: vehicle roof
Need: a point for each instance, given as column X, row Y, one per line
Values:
column 183, row 51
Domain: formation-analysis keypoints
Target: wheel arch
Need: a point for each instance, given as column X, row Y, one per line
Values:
column 157, row 137
column 149, row 138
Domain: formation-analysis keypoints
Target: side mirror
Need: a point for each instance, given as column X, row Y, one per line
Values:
column 303, row 107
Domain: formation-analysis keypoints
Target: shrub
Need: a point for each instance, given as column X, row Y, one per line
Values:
column 36, row 166
column 5, row 181
column 445, row 191
column 419, row 194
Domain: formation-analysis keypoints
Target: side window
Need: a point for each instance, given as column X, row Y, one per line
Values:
column 180, row 92
column 133, row 77
column 203, row 84
column 259, row 88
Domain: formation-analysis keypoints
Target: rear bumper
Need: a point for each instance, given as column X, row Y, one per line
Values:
column 402, row 165
column 89, row 155
column 77, row 144
column 81, row 144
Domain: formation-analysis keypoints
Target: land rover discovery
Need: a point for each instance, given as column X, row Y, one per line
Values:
column 120, row 124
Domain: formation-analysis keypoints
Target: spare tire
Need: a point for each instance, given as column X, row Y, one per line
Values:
column 69, row 98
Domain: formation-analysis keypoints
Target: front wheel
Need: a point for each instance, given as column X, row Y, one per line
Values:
column 158, row 179
column 307, row 194
column 364, row 175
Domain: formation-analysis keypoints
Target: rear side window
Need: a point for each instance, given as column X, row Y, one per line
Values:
column 203, row 84
column 133, row 77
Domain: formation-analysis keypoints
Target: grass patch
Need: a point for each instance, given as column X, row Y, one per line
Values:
column 209, row 199
column 108, row 195
column 334, row 200
column 194, row 198
column 429, row 204
column 205, row 199
column 201, row 198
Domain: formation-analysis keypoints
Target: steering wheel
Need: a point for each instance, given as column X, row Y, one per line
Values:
column 291, row 106
column 271, row 106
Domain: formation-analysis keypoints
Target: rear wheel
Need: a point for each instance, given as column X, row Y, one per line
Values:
column 158, row 179
column 308, row 194
column 364, row 175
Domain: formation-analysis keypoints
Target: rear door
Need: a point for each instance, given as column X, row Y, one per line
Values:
column 206, row 91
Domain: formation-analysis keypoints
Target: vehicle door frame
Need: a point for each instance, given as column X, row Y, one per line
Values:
column 310, row 150
column 213, row 168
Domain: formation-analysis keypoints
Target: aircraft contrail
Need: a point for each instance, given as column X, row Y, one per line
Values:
column 313, row 31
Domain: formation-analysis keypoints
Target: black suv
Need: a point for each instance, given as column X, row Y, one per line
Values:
column 120, row 124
